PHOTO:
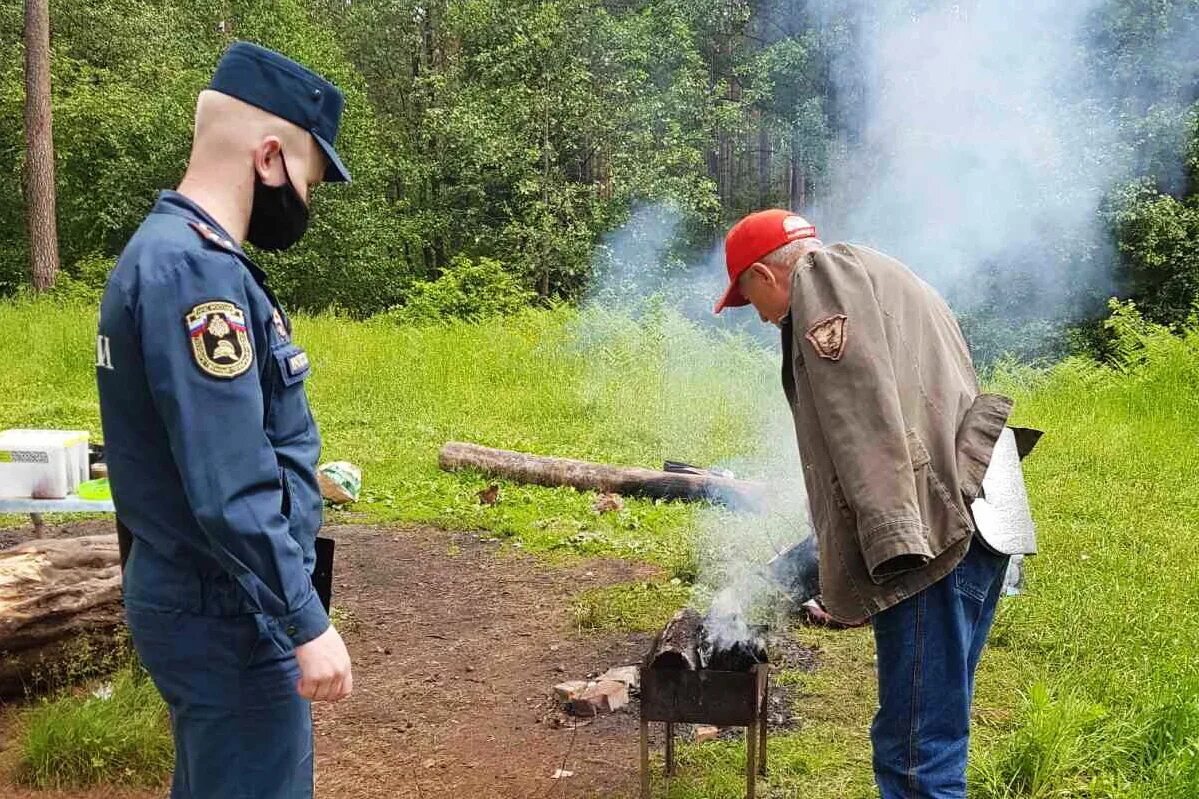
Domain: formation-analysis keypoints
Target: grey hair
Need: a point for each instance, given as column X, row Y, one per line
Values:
column 786, row 256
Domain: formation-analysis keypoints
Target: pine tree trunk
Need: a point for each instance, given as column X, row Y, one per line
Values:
column 797, row 191
column 39, row 154
column 764, row 157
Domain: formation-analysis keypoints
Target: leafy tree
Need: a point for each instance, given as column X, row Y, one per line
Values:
column 522, row 132
column 126, row 75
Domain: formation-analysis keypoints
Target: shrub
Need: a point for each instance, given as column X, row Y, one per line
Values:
column 472, row 290
column 1159, row 248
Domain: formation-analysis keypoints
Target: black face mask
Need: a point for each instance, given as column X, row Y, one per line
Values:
column 279, row 216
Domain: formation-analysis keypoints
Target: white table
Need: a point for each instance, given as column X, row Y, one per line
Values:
column 69, row 504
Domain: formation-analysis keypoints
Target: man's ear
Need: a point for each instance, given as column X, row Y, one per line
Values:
column 763, row 272
column 266, row 160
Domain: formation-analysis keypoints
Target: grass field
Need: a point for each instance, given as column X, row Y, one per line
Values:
column 1091, row 688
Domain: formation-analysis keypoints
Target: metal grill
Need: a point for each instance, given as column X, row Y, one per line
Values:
column 706, row 696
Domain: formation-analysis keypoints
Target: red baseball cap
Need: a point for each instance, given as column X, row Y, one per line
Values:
column 752, row 239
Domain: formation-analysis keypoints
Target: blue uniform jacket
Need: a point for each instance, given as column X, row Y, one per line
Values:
column 210, row 443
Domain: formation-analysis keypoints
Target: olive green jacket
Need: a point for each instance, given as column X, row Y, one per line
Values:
column 893, row 433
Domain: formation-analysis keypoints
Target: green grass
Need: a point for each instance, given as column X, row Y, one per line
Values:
column 1089, row 688
column 121, row 736
column 1103, row 646
column 640, row 607
column 388, row 397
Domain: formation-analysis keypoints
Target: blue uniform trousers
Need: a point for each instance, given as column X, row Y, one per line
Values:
column 928, row 650
column 241, row 730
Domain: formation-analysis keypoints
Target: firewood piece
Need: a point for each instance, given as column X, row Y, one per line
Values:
column 585, row 476
column 629, row 675
column 677, row 646
column 608, row 503
column 489, row 495
column 51, row 591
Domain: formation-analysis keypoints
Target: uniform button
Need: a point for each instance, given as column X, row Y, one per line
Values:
column 291, row 630
column 316, row 94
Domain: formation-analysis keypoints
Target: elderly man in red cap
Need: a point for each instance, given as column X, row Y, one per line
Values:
column 895, row 439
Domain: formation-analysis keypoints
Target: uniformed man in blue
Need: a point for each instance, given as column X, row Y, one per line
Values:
column 210, row 443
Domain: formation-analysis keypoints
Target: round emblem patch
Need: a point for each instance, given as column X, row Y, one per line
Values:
column 219, row 341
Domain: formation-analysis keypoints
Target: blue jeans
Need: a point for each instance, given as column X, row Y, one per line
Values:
column 928, row 650
column 241, row 730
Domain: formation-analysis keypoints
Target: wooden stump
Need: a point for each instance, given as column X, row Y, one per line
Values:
column 51, row 592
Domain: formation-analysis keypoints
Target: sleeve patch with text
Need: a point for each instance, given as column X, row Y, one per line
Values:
column 219, row 342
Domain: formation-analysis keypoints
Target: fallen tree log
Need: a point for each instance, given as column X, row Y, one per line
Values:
column 52, row 591
column 586, row 476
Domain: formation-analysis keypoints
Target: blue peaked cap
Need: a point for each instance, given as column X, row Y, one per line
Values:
column 280, row 86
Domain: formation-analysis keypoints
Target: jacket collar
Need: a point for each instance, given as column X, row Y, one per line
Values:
column 175, row 204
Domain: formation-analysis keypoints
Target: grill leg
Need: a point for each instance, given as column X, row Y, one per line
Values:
column 763, row 717
column 644, row 759
column 669, row 749
column 751, row 766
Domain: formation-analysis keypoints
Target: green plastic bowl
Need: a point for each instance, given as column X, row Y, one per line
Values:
column 96, row 490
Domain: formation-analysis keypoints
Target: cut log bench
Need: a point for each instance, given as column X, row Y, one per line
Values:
column 586, row 476
column 53, row 590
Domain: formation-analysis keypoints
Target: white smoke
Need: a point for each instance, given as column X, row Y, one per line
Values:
column 980, row 149
column 636, row 274
column 985, row 149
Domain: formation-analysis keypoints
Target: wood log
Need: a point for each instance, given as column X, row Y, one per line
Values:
column 52, row 591
column 586, row 476
column 677, row 646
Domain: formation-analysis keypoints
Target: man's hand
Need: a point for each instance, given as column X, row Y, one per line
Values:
column 324, row 668
column 819, row 617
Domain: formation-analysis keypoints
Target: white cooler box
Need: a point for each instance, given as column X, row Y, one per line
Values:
column 42, row 464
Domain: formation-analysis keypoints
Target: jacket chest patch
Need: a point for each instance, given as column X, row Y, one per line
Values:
column 219, row 342
column 829, row 336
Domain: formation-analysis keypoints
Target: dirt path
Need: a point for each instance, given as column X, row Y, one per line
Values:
column 455, row 648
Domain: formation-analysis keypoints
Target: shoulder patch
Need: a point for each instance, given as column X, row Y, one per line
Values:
column 219, row 342
column 212, row 237
column 829, row 336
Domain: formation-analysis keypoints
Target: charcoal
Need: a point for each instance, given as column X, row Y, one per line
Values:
column 739, row 655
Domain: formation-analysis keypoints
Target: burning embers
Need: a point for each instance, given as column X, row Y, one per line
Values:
column 706, row 670
column 693, row 642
